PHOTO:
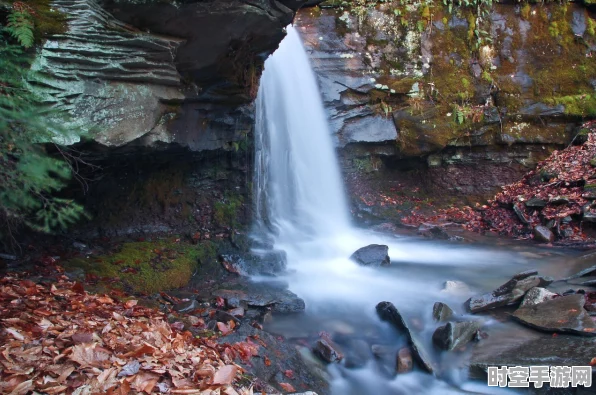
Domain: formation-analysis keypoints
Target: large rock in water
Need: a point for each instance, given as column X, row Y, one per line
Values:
column 564, row 314
column 455, row 335
column 389, row 313
column 372, row 255
column 509, row 293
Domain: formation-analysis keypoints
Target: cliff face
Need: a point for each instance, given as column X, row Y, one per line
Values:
column 148, row 72
column 163, row 91
column 446, row 101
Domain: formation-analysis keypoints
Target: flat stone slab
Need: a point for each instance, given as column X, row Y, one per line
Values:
column 508, row 293
column 565, row 314
column 261, row 295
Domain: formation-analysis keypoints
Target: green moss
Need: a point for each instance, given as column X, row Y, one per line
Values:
column 48, row 20
column 525, row 11
column 577, row 105
column 227, row 211
column 149, row 267
column 590, row 26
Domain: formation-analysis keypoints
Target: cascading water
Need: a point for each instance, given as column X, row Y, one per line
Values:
column 301, row 204
column 297, row 174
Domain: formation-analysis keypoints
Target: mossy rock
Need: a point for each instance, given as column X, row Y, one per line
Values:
column 149, row 266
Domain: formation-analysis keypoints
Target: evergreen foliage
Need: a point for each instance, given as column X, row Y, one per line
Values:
column 29, row 176
column 20, row 26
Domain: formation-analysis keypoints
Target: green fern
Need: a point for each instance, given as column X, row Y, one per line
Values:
column 20, row 26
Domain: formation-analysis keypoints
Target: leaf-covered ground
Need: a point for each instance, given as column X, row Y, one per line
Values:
column 559, row 194
column 58, row 339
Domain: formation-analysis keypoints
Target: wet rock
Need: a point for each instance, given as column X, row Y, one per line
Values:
column 508, row 293
column 455, row 335
column 543, row 234
column 328, row 351
column 256, row 263
column 8, row 257
column 589, row 216
column 373, row 255
column 519, row 211
column 389, row 313
column 535, row 203
column 237, row 312
column 559, row 200
column 441, row 312
column 433, row 232
column 187, row 307
column 404, row 360
column 537, row 295
column 79, row 246
column 564, row 314
column 589, row 271
column 261, row 295
column 224, row 316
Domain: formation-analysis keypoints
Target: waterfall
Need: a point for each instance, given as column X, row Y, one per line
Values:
column 301, row 206
column 298, row 187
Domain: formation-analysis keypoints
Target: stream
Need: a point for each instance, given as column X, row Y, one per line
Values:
column 302, row 209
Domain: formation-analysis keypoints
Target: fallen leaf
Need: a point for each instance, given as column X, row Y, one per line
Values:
column 225, row 375
column 130, row 368
column 89, row 355
column 287, row 387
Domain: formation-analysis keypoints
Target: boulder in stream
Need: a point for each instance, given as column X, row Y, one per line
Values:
column 509, row 293
column 565, row 314
column 327, row 351
column 442, row 312
column 543, row 234
column 455, row 335
column 389, row 313
column 372, row 255
column 537, row 295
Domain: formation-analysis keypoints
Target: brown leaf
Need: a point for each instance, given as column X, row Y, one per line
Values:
column 287, row 387
column 90, row 355
column 267, row 362
column 144, row 349
column 78, row 288
column 82, row 337
column 23, row 388
column 130, row 303
column 225, row 375
column 144, row 382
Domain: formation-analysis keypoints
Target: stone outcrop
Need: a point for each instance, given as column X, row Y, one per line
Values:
column 406, row 88
column 158, row 72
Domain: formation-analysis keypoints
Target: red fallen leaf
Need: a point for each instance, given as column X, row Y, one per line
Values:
column 289, row 374
column 78, row 288
column 267, row 362
column 179, row 326
column 129, row 270
column 223, row 328
column 287, row 387
column 593, row 362
column 144, row 349
column 82, row 337
column 90, row 355
column 220, row 302
column 144, row 382
column 225, row 375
